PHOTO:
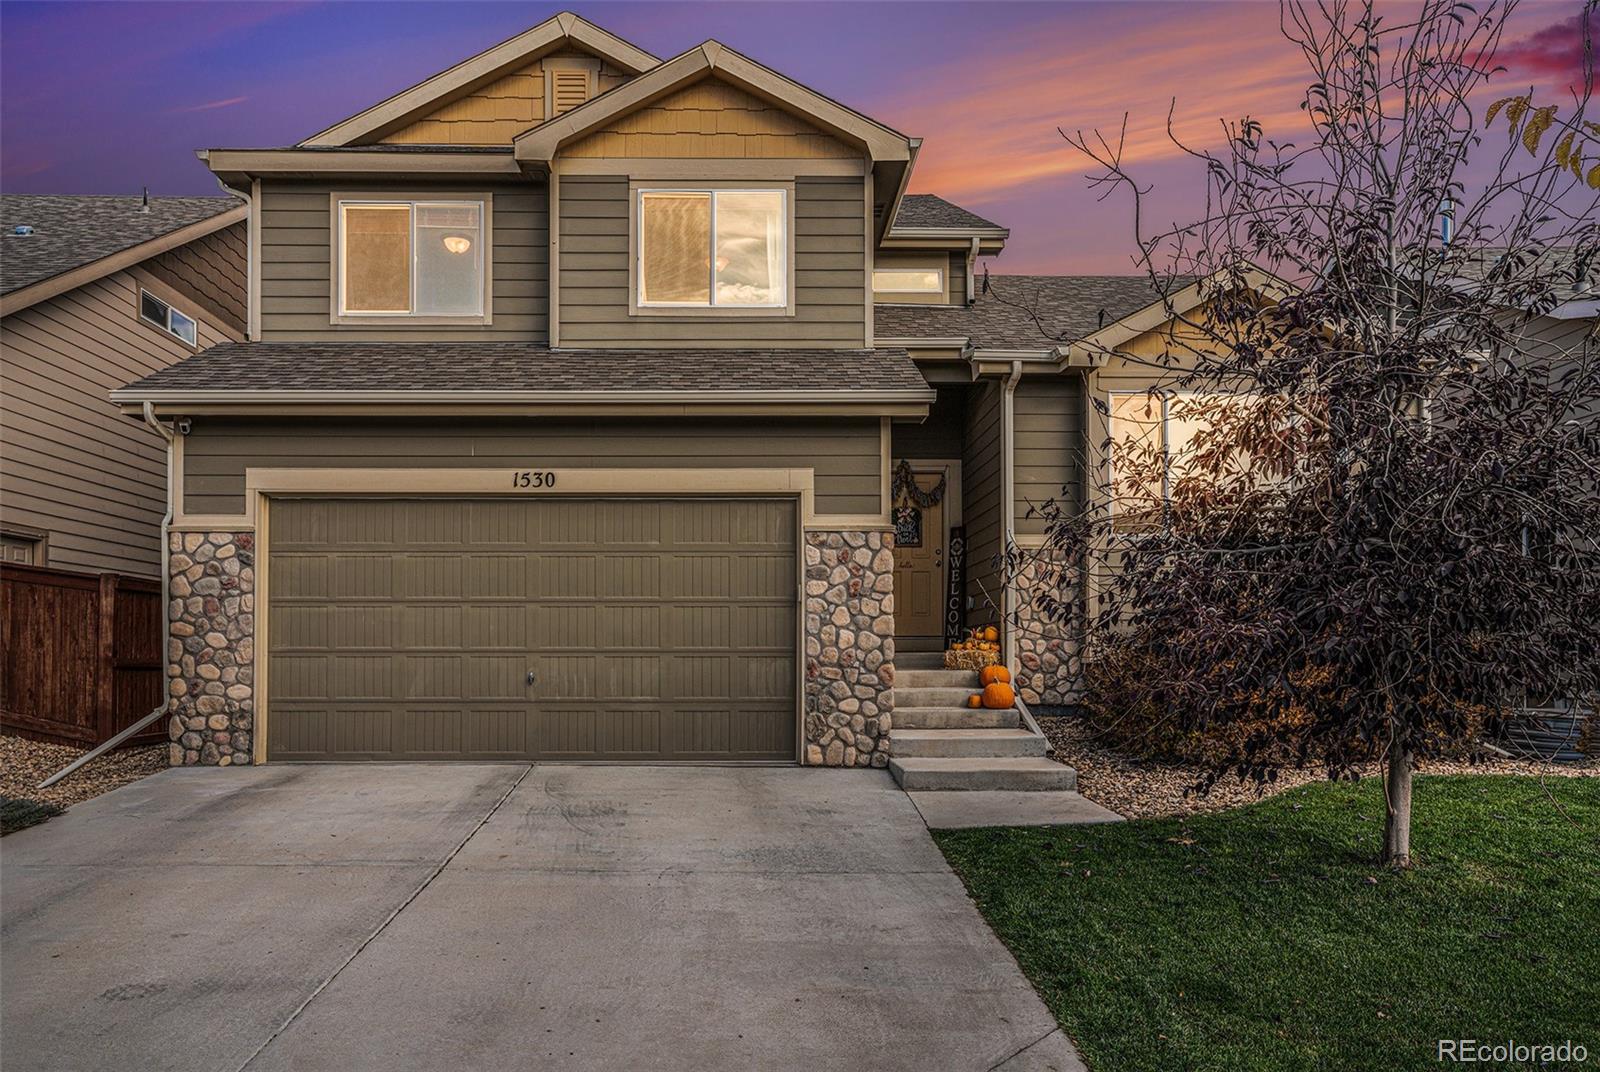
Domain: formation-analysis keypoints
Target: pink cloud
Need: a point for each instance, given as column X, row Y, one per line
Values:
column 209, row 105
column 1553, row 53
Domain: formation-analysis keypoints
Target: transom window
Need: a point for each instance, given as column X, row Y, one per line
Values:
column 713, row 248
column 411, row 258
column 168, row 319
column 907, row 281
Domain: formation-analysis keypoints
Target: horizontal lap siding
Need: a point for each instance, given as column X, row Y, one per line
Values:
column 845, row 453
column 214, row 267
column 830, row 274
column 1049, row 447
column 981, row 503
column 73, row 466
column 297, row 243
column 941, row 435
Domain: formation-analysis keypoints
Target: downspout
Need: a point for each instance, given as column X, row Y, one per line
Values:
column 1008, row 504
column 972, row 269
column 166, row 614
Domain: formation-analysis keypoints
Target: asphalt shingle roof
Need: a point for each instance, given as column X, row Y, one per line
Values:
column 72, row 231
column 1068, row 308
column 930, row 210
column 486, row 367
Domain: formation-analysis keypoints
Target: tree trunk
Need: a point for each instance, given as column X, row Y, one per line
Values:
column 1397, row 808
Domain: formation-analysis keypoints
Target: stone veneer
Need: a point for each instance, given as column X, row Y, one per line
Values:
column 1045, row 649
column 211, row 656
column 849, row 648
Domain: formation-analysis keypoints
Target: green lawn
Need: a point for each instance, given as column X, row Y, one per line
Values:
column 1266, row 938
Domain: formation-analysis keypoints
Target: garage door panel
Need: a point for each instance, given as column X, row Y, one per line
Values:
column 655, row 629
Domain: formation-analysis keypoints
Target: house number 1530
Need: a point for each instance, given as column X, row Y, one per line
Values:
column 533, row 478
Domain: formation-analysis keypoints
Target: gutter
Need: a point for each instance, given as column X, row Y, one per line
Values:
column 166, row 617
column 134, row 396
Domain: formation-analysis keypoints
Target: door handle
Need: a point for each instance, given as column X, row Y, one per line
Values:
column 531, row 677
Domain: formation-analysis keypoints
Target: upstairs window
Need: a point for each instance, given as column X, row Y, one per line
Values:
column 168, row 319
column 411, row 258
column 907, row 281
column 715, row 249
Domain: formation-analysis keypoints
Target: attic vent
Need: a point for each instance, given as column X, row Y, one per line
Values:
column 568, row 89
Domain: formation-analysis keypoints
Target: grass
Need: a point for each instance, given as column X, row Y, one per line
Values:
column 19, row 814
column 1265, row 938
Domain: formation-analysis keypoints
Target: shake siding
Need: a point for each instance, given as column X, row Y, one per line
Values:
column 297, row 242
column 214, row 268
column 845, row 453
column 1049, row 447
column 830, row 274
column 981, row 504
column 73, row 466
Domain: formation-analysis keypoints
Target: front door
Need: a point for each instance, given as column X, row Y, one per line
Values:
column 919, row 538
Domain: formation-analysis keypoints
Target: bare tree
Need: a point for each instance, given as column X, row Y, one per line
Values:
column 1384, row 516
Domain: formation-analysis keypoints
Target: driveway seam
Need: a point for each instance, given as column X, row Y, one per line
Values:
column 390, row 918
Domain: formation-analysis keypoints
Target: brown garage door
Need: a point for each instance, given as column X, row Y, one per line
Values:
column 654, row 629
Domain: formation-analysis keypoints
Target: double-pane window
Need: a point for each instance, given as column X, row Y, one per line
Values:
column 713, row 248
column 411, row 258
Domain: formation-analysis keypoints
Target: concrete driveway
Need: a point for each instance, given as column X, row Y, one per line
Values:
column 503, row 917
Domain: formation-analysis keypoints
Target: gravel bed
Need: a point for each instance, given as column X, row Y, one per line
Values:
column 1140, row 788
column 24, row 764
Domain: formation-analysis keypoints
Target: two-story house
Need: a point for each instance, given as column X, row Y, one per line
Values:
column 603, row 407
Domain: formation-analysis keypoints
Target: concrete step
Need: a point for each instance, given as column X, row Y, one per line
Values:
column 936, row 696
column 967, row 744
column 917, row 660
column 935, row 679
column 1030, row 774
column 954, row 718
column 1046, row 807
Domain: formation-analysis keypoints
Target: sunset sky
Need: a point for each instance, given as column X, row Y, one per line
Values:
column 110, row 97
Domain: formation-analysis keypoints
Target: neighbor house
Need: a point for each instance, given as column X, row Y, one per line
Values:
column 95, row 291
column 603, row 407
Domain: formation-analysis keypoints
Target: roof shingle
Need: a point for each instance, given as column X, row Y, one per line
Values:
column 71, row 231
column 515, row 367
column 1023, row 312
column 930, row 210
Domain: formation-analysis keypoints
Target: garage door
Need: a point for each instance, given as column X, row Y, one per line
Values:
column 653, row 630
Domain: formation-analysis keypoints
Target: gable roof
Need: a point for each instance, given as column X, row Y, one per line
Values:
column 932, row 211
column 879, row 142
column 1068, row 308
column 77, row 239
column 487, row 65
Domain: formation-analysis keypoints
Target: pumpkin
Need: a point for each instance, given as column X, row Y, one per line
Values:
column 998, row 695
column 975, row 700
column 990, row 633
column 990, row 674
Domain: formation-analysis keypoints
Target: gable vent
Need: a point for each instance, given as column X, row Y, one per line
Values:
column 568, row 89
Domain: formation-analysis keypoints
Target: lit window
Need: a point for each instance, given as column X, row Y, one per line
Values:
column 907, row 281
column 411, row 258
column 713, row 248
column 168, row 319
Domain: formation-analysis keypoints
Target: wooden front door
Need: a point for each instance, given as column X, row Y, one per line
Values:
column 920, row 535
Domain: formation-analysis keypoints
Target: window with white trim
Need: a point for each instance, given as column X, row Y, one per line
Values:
column 411, row 258
column 715, row 249
column 907, row 281
column 180, row 326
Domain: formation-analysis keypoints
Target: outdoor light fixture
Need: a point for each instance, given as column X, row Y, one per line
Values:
column 457, row 244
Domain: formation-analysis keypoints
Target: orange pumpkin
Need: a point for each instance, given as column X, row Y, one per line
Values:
column 998, row 695
column 991, row 674
column 991, row 634
column 975, row 700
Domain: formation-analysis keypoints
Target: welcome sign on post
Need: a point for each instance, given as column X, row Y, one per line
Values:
column 955, row 609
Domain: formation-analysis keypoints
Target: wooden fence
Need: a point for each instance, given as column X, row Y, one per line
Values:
column 80, row 655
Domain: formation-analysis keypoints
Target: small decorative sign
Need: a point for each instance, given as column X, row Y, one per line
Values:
column 955, row 604
column 907, row 526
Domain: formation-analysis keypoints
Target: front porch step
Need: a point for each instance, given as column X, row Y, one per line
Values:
column 1025, row 774
column 966, row 744
column 954, row 718
column 935, row 696
column 917, row 660
column 935, row 679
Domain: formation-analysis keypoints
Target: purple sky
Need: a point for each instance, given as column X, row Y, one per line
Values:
column 109, row 97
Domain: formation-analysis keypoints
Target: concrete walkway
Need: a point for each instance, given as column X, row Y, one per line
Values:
column 503, row 917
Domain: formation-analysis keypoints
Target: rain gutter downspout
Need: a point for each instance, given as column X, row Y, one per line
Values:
column 166, row 615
